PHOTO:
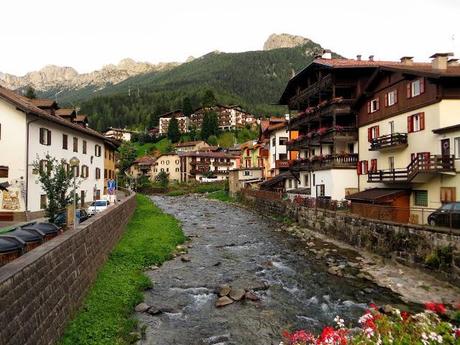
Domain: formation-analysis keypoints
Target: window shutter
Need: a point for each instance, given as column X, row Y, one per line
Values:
column 42, row 135
column 377, row 131
column 422, row 85
column 396, row 96
column 369, row 134
column 409, row 124
column 359, row 168
column 374, row 165
column 48, row 139
column 422, row 121
column 378, row 103
column 369, row 107
column 366, row 167
column 408, row 90
column 386, row 99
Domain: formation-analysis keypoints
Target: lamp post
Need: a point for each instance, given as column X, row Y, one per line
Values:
column 74, row 162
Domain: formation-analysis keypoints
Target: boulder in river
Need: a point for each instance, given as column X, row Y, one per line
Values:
column 249, row 295
column 237, row 294
column 185, row 259
column 223, row 301
column 224, row 290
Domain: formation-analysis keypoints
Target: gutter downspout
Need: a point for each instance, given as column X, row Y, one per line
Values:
column 27, row 165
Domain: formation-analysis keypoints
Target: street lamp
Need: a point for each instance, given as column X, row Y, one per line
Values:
column 74, row 162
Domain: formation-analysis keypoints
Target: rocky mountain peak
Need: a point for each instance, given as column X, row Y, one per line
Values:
column 276, row 41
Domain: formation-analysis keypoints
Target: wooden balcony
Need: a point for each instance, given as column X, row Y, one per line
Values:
column 389, row 142
column 349, row 133
column 347, row 161
column 283, row 163
column 223, row 164
column 419, row 170
column 313, row 89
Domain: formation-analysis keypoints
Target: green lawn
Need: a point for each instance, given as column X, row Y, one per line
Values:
column 221, row 195
column 106, row 316
column 164, row 146
column 177, row 189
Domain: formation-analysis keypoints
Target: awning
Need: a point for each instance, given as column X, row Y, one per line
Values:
column 378, row 195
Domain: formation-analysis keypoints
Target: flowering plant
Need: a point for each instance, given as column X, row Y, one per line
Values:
column 387, row 325
column 321, row 131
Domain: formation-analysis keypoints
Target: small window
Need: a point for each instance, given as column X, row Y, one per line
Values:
column 416, row 122
column 84, row 147
column 373, row 133
column 177, row 169
column 363, row 168
column 305, row 180
column 45, row 136
column 98, row 173
column 75, row 144
column 84, row 171
column 283, row 140
column 448, row 194
column 373, row 106
column 273, row 142
column 65, row 142
column 415, row 88
column 421, row 198
column 105, row 173
column 76, row 171
column 44, row 167
column 97, row 150
column 43, row 201
column 457, row 147
column 391, row 98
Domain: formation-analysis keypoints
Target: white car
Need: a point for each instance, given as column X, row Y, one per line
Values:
column 97, row 206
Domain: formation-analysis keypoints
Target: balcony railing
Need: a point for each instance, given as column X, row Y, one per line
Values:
column 418, row 170
column 324, row 135
column 390, row 141
column 320, row 85
column 343, row 161
column 283, row 163
column 223, row 164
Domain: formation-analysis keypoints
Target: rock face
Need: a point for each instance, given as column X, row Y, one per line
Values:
column 276, row 41
column 52, row 76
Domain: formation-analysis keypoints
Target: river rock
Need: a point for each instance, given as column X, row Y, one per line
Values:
column 154, row 311
column 223, row 301
column 141, row 307
column 224, row 290
column 249, row 295
column 237, row 294
column 186, row 259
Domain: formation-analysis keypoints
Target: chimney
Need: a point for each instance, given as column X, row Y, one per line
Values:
column 358, row 57
column 371, row 57
column 327, row 54
column 453, row 63
column 407, row 60
column 440, row 60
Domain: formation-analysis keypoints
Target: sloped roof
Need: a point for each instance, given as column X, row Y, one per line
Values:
column 43, row 103
column 148, row 160
column 189, row 143
column 65, row 112
column 377, row 195
column 25, row 104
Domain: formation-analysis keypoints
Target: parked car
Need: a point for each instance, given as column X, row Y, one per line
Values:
column 448, row 215
column 97, row 206
column 61, row 218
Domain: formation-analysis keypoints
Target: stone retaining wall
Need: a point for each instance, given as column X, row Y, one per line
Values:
column 407, row 243
column 41, row 290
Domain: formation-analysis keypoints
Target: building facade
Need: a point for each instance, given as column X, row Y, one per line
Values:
column 120, row 134
column 190, row 146
column 184, row 122
column 28, row 135
column 409, row 133
column 168, row 163
column 229, row 117
column 207, row 166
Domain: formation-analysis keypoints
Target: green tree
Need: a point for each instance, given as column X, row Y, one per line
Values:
column 212, row 140
column 56, row 181
column 30, row 92
column 173, row 130
column 209, row 99
column 127, row 153
column 187, row 106
column 163, row 179
column 210, row 125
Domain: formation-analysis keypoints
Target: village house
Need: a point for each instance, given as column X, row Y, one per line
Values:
column 207, row 166
column 110, row 148
column 27, row 135
column 168, row 163
column 120, row 134
column 229, row 117
column 255, row 155
column 184, row 121
column 142, row 166
column 243, row 178
column 409, row 139
column 190, row 146
column 323, row 94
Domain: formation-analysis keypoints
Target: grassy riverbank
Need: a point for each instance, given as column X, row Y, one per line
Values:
column 177, row 189
column 106, row 316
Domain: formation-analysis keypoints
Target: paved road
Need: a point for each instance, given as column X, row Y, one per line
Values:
column 234, row 246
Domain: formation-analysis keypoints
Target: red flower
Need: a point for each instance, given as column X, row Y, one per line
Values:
column 430, row 306
column 373, row 306
column 435, row 307
column 457, row 306
column 405, row 315
column 457, row 333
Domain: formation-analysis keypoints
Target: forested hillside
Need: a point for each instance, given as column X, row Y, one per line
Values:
column 254, row 80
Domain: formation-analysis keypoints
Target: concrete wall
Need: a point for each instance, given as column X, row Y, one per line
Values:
column 406, row 243
column 42, row 290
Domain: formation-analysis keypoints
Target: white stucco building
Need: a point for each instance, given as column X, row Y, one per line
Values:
column 28, row 134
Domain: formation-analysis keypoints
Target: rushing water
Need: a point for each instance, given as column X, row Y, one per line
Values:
column 240, row 248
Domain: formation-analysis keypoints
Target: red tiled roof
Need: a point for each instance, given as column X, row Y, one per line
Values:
column 208, row 154
column 26, row 105
column 81, row 118
column 145, row 160
column 65, row 112
column 43, row 102
column 174, row 112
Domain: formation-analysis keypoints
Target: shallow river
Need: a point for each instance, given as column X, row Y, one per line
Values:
column 231, row 245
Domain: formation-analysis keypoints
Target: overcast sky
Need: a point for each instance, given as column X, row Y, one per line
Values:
column 89, row 34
